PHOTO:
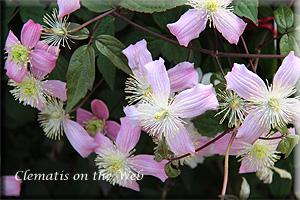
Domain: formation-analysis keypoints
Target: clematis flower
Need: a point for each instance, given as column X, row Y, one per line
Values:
column 254, row 157
column 193, row 22
column 181, row 77
column 98, row 121
column 161, row 116
column 118, row 165
column 54, row 121
column 67, row 7
column 10, row 186
column 20, row 54
column 270, row 106
column 34, row 90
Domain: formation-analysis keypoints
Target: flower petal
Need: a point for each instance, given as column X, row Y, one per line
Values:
column 15, row 71
column 230, row 25
column 221, row 145
column 127, row 137
column 182, row 76
column 11, row 186
column 81, row 141
column 30, row 34
column 132, row 185
column 246, row 83
column 67, row 7
column 189, row 26
column 43, row 60
column 138, row 55
column 288, row 73
column 180, row 142
column 99, row 109
column 11, row 40
column 133, row 115
column 195, row 101
column 158, row 78
column 44, row 46
column 104, row 143
column 146, row 165
column 83, row 116
column 112, row 129
column 55, row 88
column 291, row 104
column 250, row 130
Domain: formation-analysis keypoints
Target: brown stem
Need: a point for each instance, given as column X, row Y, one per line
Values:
column 219, row 65
column 246, row 49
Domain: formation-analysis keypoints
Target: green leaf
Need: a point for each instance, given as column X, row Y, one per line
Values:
column 169, row 16
column 100, row 6
column 246, row 8
column 112, row 48
column 107, row 69
column 288, row 43
column 60, row 70
column 174, row 53
column 106, row 26
column 35, row 13
column 80, row 34
column 80, row 75
column 208, row 125
column 171, row 171
column 151, row 6
column 284, row 17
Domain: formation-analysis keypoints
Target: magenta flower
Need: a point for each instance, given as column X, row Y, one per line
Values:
column 67, row 7
column 11, row 186
column 181, row 77
column 270, row 106
column 34, row 90
column 193, row 22
column 20, row 54
column 98, row 121
column 161, row 116
column 117, row 164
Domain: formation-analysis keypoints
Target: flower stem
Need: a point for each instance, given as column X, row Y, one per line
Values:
column 93, row 20
column 226, row 165
column 246, row 49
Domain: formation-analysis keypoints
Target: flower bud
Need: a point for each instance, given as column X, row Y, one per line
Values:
column 283, row 146
column 245, row 189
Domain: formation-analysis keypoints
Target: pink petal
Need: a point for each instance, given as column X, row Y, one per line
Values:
column 182, row 76
column 138, row 56
column 287, row 74
column 246, row 83
column 11, row 40
column 67, row 7
column 200, row 141
column 132, row 185
column 39, row 74
column 112, row 129
column 133, row 116
column 31, row 34
column 180, row 142
column 55, row 88
column 81, row 141
column 221, row 145
column 99, row 109
column 45, row 47
column 83, row 116
column 104, row 143
column 14, row 71
column 43, row 60
column 158, row 78
column 127, row 137
column 189, row 26
column 293, row 103
column 250, row 130
column 230, row 25
column 145, row 165
column 11, row 186
column 246, row 167
column 195, row 101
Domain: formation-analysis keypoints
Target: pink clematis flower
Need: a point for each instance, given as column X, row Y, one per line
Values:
column 161, row 116
column 97, row 122
column 254, row 157
column 34, row 90
column 11, row 186
column 117, row 164
column 181, row 77
column 54, row 121
column 67, row 6
column 193, row 22
column 20, row 54
column 270, row 106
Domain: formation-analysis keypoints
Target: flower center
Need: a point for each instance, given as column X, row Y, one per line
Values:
column 274, row 104
column 211, row 5
column 60, row 31
column 94, row 125
column 234, row 103
column 18, row 53
column 260, row 151
column 161, row 114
